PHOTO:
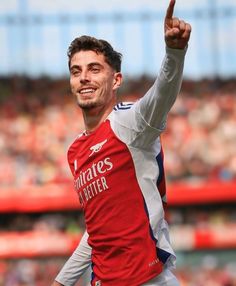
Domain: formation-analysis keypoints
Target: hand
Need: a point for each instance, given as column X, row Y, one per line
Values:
column 177, row 32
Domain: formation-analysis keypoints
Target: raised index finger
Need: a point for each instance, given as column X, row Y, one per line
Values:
column 170, row 9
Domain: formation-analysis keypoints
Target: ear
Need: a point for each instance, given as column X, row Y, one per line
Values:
column 117, row 80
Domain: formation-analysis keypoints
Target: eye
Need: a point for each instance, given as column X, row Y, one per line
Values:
column 95, row 69
column 75, row 72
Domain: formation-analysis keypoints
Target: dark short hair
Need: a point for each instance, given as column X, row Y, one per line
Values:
column 88, row 43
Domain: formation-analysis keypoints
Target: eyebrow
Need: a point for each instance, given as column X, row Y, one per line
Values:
column 89, row 65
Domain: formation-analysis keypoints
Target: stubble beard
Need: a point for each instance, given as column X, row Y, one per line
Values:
column 88, row 104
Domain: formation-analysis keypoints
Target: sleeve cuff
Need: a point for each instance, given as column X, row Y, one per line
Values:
column 177, row 52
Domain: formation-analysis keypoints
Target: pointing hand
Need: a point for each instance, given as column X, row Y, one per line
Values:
column 177, row 32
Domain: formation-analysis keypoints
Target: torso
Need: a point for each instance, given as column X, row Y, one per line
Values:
column 117, row 220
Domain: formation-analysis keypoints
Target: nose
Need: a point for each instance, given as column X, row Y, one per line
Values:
column 84, row 77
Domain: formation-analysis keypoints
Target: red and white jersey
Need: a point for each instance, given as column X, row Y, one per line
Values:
column 119, row 177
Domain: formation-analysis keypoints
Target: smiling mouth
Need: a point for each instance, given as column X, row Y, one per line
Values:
column 87, row 91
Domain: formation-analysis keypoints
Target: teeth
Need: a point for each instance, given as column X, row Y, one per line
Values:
column 87, row 90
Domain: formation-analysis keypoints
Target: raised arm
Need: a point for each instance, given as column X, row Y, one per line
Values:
column 147, row 118
column 157, row 102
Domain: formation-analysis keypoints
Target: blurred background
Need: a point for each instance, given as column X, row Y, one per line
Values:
column 40, row 218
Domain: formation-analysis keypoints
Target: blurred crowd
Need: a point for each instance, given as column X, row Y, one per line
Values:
column 73, row 221
column 38, row 122
column 36, row 272
column 51, row 222
column 207, row 271
column 201, row 134
column 207, row 275
column 39, row 119
column 31, row 272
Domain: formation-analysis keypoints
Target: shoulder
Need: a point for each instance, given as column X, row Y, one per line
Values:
column 123, row 114
column 123, row 106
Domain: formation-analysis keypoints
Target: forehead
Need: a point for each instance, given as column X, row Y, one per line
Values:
column 83, row 58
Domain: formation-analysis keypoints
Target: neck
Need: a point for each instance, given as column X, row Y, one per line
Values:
column 95, row 116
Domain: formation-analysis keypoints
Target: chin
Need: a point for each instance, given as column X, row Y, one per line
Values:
column 86, row 105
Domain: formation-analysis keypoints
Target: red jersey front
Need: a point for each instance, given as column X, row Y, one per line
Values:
column 123, row 249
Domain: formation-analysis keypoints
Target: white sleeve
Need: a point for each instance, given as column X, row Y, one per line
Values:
column 148, row 115
column 154, row 106
column 77, row 264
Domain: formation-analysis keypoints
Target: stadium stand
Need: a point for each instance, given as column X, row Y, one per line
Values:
column 39, row 119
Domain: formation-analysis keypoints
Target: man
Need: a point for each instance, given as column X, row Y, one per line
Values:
column 117, row 165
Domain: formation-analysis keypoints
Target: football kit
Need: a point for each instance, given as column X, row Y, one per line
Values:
column 119, row 178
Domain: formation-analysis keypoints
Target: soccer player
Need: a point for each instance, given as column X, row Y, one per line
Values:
column 117, row 164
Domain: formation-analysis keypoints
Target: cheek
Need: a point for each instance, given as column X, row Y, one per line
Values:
column 106, row 89
column 108, row 83
column 73, row 85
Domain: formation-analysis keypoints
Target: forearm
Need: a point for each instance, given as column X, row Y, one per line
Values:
column 76, row 265
column 157, row 102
